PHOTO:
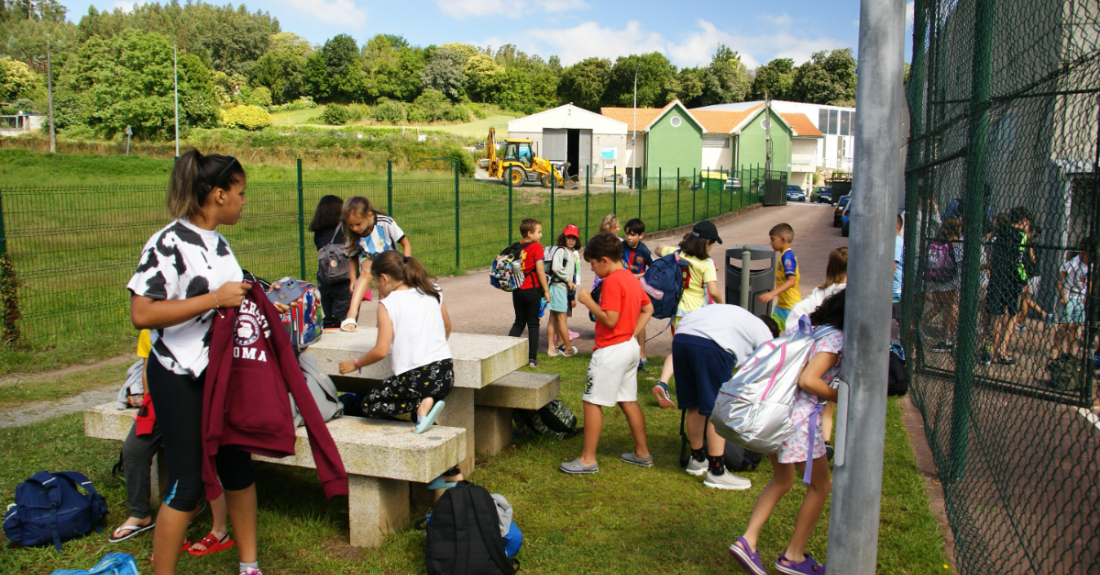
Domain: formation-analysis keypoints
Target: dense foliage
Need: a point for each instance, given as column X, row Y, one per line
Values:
column 114, row 69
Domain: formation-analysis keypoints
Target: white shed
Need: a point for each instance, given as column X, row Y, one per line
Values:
column 575, row 135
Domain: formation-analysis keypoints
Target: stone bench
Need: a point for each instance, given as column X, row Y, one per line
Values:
column 380, row 457
column 494, row 403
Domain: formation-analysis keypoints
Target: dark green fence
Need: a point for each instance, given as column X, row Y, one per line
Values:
column 1000, row 318
column 74, row 248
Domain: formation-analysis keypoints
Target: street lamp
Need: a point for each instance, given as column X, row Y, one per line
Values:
column 634, row 137
column 176, row 90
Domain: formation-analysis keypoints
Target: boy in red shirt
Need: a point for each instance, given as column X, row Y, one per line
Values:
column 621, row 313
column 527, row 299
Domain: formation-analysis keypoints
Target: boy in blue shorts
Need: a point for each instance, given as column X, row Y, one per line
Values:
column 786, row 275
column 636, row 259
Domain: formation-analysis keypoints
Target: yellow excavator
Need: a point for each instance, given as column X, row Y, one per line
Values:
column 520, row 165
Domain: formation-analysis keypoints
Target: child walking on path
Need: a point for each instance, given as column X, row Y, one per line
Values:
column 613, row 371
column 526, row 300
column 786, row 274
column 815, row 383
column 326, row 228
column 370, row 233
column 412, row 318
column 561, row 274
column 637, row 258
column 695, row 250
column 1073, row 283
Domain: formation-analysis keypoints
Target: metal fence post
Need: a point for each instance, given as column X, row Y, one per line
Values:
column 659, row 198
column 553, row 181
column 3, row 234
column 458, row 224
column 693, row 206
column 615, row 190
column 389, row 187
column 301, row 227
column 639, row 188
column 587, row 195
column 861, row 405
column 510, row 232
column 677, row 197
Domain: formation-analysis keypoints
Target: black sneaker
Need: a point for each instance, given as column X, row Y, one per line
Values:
column 942, row 347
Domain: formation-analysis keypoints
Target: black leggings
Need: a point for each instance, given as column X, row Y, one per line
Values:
column 400, row 394
column 178, row 401
column 526, row 304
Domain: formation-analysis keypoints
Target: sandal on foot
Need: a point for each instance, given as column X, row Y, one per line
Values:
column 349, row 325
column 572, row 351
column 212, row 545
column 748, row 559
column 805, row 567
column 660, row 391
column 130, row 531
column 440, row 483
column 633, row 459
column 428, row 420
column 575, row 467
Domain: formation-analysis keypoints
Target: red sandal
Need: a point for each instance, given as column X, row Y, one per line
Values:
column 212, row 544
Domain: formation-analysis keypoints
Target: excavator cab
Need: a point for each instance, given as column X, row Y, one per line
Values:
column 520, row 164
column 518, row 151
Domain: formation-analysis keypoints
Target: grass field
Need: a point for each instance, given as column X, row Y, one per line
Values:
column 297, row 117
column 75, row 244
column 623, row 520
column 477, row 128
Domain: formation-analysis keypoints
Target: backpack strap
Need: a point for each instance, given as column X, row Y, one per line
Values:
column 460, row 495
column 333, row 240
column 50, row 485
column 484, row 506
column 99, row 503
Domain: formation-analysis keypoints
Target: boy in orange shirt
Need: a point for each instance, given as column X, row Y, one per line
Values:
column 621, row 313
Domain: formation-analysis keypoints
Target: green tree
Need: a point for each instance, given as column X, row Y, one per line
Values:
column 446, row 72
column 466, row 50
column 828, row 78
column 17, row 80
column 656, row 81
column 584, row 83
column 335, row 73
column 392, row 68
column 478, row 71
column 725, row 80
column 430, row 106
column 691, row 82
column 282, row 69
column 774, row 80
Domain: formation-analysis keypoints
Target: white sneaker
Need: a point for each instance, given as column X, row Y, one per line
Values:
column 696, row 468
column 727, row 481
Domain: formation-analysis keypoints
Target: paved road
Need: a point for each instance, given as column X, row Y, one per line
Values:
column 475, row 307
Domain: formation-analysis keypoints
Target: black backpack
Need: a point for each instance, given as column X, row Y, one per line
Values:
column 897, row 380
column 464, row 535
column 555, row 420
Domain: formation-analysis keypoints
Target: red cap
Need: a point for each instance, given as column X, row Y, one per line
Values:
column 571, row 230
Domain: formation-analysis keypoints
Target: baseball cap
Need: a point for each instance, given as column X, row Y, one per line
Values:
column 571, row 230
column 706, row 230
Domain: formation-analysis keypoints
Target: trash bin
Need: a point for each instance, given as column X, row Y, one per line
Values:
column 761, row 279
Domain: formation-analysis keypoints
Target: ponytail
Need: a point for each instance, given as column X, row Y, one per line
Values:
column 195, row 176
column 405, row 269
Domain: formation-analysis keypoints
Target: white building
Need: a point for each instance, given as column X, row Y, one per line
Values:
column 21, row 124
column 575, row 135
column 835, row 151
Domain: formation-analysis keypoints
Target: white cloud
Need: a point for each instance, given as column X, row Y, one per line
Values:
column 563, row 5
column 513, row 9
column 127, row 6
column 780, row 20
column 336, row 12
column 698, row 47
column 909, row 8
column 589, row 39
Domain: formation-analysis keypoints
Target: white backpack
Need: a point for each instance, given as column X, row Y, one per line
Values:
column 321, row 387
column 755, row 408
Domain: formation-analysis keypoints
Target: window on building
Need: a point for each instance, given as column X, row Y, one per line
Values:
column 834, row 121
column 823, row 120
column 716, row 142
column 845, row 123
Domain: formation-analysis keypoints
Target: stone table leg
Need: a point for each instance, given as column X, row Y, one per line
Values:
column 494, row 429
column 376, row 507
column 459, row 412
column 158, row 478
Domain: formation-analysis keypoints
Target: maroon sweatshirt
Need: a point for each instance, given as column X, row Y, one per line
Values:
column 245, row 403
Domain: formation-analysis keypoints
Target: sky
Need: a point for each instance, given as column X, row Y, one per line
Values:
column 687, row 32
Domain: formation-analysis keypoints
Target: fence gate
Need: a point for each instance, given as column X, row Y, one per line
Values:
column 775, row 188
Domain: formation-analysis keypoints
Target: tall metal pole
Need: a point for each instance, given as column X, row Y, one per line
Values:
column 587, row 195
column 634, row 136
column 458, row 224
column 176, row 89
column 49, row 89
column 660, row 200
column 861, row 406
column 301, row 225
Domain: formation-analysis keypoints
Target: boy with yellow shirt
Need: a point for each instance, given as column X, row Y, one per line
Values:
column 787, row 276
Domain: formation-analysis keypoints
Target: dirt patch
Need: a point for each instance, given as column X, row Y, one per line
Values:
column 13, row 379
column 30, row 413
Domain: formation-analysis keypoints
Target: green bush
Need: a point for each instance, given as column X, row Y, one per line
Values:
column 387, row 110
column 478, row 111
column 261, row 96
column 74, row 132
column 457, row 113
column 336, row 115
column 358, row 112
column 466, row 165
column 303, row 103
column 24, row 104
column 246, row 118
column 430, row 106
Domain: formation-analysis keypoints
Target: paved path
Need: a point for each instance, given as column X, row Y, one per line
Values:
column 29, row 413
column 475, row 307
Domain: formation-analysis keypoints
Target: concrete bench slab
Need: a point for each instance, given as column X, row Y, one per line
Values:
column 381, row 458
column 494, row 405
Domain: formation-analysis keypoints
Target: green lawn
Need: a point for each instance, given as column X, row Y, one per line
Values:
column 623, row 520
column 297, row 117
column 477, row 128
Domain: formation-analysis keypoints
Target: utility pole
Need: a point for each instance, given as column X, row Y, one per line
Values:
column 634, row 137
column 49, row 89
column 861, row 406
column 176, row 89
column 767, row 135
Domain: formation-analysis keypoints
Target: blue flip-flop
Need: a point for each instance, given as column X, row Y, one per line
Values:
column 439, row 483
column 429, row 420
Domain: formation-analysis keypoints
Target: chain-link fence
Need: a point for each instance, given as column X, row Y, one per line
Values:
column 74, row 248
column 999, row 310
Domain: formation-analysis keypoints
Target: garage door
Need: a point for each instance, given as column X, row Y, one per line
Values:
column 555, row 144
column 584, row 153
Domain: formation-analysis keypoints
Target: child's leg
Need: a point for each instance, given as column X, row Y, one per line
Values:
column 395, row 396
column 137, row 455
column 551, row 327
column 827, row 420
column 593, row 426
column 951, row 314
column 636, row 420
column 810, row 511
column 563, row 329
column 666, row 370
column 219, row 528
column 782, row 479
column 362, row 284
column 696, row 427
column 641, row 342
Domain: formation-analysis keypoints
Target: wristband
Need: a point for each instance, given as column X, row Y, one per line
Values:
column 215, row 300
column 356, row 360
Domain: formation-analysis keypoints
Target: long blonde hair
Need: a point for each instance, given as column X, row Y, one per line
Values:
column 836, row 272
column 607, row 222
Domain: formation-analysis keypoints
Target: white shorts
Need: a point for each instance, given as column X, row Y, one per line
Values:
column 613, row 374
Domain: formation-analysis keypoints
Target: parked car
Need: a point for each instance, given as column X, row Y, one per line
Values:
column 795, row 194
column 732, row 183
column 847, row 219
column 822, row 194
column 838, row 211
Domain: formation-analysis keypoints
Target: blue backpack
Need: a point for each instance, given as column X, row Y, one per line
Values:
column 49, row 507
column 664, row 282
column 111, row 564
